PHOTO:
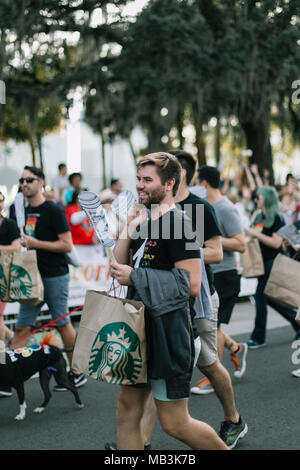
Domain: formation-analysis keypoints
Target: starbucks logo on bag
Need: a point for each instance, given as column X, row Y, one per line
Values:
column 116, row 352
column 20, row 283
column 3, row 284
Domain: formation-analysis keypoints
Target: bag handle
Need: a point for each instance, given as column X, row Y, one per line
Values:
column 113, row 288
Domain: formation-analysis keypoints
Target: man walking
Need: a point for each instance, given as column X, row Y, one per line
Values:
column 226, row 276
column 47, row 231
column 158, row 180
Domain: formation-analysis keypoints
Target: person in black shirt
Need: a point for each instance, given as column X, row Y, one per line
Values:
column 9, row 242
column 158, row 179
column 265, row 226
column 47, row 231
column 216, row 377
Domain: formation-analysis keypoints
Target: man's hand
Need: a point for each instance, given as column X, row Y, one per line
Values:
column 121, row 272
column 251, row 232
column 62, row 245
column 136, row 216
column 29, row 242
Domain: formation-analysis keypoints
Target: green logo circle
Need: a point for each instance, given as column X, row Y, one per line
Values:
column 116, row 353
column 20, row 283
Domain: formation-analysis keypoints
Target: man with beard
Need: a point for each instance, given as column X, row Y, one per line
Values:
column 158, row 180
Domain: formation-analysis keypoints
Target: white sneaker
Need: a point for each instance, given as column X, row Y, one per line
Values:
column 203, row 387
column 239, row 360
column 296, row 373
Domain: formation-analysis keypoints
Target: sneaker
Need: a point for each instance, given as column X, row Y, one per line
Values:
column 231, row 432
column 5, row 392
column 113, row 446
column 239, row 360
column 252, row 344
column 296, row 373
column 203, row 387
column 76, row 379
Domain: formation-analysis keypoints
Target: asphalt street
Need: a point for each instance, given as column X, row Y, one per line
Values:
column 267, row 397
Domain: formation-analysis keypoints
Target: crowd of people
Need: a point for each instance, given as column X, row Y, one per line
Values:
column 167, row 184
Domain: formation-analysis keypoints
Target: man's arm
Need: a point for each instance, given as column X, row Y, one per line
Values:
column 122, row 247
column 122, row 272
column 213, row 251
column 14, row 246
column 235, row 243
column 273, row 241
column 62, row 245
column 193, row 265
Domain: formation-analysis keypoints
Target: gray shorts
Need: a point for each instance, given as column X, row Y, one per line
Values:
column 208, row 330
column 56, row 292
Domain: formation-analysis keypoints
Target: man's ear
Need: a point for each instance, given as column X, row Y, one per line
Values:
column 170, row 184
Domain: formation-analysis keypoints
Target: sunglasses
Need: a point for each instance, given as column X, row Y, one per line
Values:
column 30, row 179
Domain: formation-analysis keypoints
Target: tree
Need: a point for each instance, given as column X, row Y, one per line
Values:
column 262, row 68
column 164, row 66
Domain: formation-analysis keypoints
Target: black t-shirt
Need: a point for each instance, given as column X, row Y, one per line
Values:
column 259, row 224
column 204, row 223
column 160, row 243
column 8, row 231
column 46, row 222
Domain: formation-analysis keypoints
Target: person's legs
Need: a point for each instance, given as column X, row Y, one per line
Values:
column 209, row 364
column 259, row 332
column 227, row 284
column 131, row 404
column 25, row 323
column 148, row 420
column 221, row 382
column 159, row 390
column 177, row 422
column 227, row 342
column 288, row 313
column 68, row 335
column 56, row 297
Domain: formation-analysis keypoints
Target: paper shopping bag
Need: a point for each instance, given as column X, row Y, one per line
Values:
column 26, row 285
column 298, row 315
column 283, row 285
column 111, row 342
column 5, row 265
column 251, row 260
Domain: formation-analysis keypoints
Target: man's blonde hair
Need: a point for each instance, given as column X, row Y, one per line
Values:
column 167, row 167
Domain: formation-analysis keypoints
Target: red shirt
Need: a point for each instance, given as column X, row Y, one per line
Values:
column 83, row 233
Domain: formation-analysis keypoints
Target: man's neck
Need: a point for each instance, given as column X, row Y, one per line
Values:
column 182, row 193
column 157, row 210
column 213, row 195
column 36, row 200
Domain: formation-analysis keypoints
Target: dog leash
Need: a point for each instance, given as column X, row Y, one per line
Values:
column 53, row 322
column 50, row 324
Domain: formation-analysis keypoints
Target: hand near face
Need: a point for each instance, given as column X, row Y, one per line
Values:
column 136, row 216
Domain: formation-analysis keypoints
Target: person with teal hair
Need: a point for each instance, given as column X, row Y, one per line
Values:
column 265, row 226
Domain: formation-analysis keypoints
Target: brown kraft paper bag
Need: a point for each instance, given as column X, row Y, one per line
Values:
column 26, row 285
column 252, row 260
column 111, row 342
column 283, row 285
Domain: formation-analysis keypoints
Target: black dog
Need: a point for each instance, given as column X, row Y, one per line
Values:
column 21, row 364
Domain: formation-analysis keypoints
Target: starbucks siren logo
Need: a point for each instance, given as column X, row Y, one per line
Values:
column 116, row 352
column 20, row 283
column 3, row 284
